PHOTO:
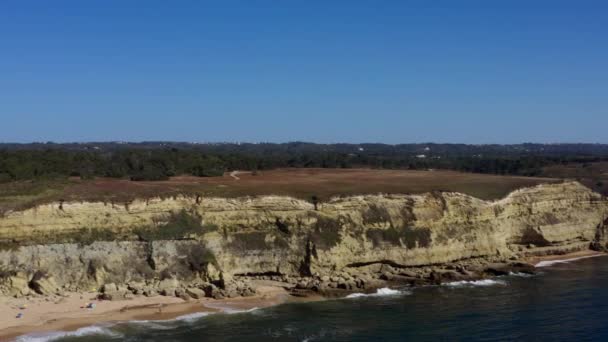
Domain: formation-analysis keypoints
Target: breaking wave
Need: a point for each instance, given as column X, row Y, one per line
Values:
column 86, row 331
column 158, row 323
column 165, row 324
column 521, row 274
column 385, row 291
column 235, row 311
column 189, row 318
column 482, row 282
column 564, row 261
column 227, row 309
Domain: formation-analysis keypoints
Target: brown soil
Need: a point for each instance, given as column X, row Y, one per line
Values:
column 301, row 183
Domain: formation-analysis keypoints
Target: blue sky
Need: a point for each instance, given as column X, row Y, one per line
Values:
column 321, row 71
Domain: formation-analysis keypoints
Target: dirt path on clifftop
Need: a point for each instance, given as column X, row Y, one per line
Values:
column 234, row 174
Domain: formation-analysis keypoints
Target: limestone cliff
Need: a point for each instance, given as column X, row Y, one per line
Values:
column 85, row 245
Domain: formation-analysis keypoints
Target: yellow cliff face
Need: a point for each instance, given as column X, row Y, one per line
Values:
column 87, row 244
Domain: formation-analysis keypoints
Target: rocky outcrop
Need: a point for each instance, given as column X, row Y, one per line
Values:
column 214, row 245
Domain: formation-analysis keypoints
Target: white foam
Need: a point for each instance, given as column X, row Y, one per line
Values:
column 229, row 310
column 521, row 274
column 184, row 318
column 482, row 282
column 191, row 317
column 235, row 311
column 564, row 261
column 385, row 291
column 86, row 331
column 104, row 330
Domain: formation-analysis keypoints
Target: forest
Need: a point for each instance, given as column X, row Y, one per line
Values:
column 160, row 160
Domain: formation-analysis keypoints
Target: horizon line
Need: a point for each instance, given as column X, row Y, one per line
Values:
column 126, row 142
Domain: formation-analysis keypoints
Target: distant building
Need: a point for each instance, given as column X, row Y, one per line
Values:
column 421, row 156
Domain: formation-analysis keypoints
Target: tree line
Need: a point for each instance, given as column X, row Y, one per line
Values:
column 153, row 162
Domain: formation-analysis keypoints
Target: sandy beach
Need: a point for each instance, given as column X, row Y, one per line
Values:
column 41, row 315
column 547, row 260
column 48, row 314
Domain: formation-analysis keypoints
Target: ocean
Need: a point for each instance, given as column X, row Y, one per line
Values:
column 566, row 301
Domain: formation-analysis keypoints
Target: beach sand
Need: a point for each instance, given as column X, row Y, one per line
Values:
column 68, row 313
column 548, row 260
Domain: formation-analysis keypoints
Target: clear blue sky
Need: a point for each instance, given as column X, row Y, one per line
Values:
column 321, row 71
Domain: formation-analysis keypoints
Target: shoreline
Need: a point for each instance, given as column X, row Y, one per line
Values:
column 42, row 316
column 548, row 260
column 71, row 315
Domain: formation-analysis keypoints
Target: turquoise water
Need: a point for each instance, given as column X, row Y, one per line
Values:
column 565, row 302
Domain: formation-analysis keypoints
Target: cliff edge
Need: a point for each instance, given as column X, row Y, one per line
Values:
column 217, row 244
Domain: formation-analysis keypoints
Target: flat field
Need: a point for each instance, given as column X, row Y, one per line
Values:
column 593, row 175
column 301, row 183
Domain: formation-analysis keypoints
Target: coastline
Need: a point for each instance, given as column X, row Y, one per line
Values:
column 64, row 314
column 69, row 313
column 548, row 260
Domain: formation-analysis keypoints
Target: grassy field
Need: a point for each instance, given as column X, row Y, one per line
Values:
column 301, row 183
column 593, row 175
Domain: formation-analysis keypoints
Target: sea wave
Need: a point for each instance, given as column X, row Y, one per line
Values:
column 482, row 282
column 86, row 331
column 191, row 317
column 235, row 311
column 157, row 323
column 547, row 263
column 164, row 324
column 385, row 291
column 521, row 274
column 227, row 309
